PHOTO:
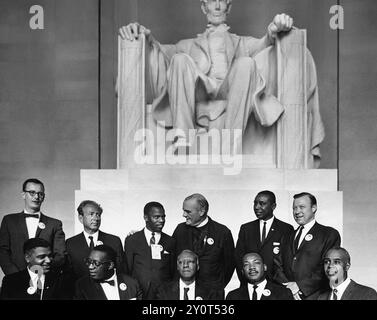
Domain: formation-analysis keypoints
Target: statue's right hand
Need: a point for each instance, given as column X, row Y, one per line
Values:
column 132, row 31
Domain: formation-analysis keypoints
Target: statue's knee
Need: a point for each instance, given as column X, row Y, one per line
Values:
column 180, row 59
column 245, row 64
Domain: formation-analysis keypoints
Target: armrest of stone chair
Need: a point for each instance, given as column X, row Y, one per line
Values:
column 131, row 97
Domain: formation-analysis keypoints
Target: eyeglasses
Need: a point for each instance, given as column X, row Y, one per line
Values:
column 34, row 193
column 96, row 263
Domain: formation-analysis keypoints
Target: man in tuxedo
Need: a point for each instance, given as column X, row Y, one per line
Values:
column 36, row 281
column 186, row 287
column 210, row 240
column 336, row 264
column 150, row 253
column 263, row 235
column 299, row 264
column 104, row 282
column 16, row 228
column 79, row 246
column 257, row 287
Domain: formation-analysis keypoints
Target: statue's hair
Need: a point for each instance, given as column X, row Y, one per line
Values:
column 227, row 1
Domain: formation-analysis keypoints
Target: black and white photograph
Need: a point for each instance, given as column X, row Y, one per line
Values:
column 207, row 150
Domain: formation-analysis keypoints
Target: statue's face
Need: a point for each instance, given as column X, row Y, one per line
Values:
column 216, row 11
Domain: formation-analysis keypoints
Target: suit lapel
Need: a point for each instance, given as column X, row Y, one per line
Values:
column 96, row 291
column 312, row 231
column 348, row 292
column 42, row 219
column 123, row 294
column 23, row 227
column 271, row 232
column 202, row 42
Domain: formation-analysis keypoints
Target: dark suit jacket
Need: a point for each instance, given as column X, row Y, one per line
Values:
column 13, row 234
column 88, row 289
column 15, row 287
column 249, row 241
column 149, row 272
column 78, row 250
column 216, row 260
column 305, row 266
column 170, row 291
column 278, row 292
column 354, row 291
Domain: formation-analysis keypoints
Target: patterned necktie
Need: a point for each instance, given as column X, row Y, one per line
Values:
column 334, row 296
column 153, row 239
column 91, row 244
column 185, row 295
column 264, row 232
column 254, row 296
column 297, row 239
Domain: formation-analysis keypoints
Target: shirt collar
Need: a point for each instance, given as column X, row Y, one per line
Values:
column 309, row 225
column 113, row 277
column 342, row 287
column 203, row 223
column 268, row 222
column 94, row 235
column 34, row 276
column 184, row 285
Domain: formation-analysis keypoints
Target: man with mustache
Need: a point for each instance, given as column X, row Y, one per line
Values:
column 37, row 281
column 79, row 246
column 298, row 266
column 31, row 222
column 150, row 253
column 336, row 264
column 216, row 66
column 257, row 287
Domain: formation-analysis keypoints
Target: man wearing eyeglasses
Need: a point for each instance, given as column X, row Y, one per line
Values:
column 103, row 281
column 31, row 222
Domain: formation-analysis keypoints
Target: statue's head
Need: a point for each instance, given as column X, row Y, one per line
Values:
column 216, row 10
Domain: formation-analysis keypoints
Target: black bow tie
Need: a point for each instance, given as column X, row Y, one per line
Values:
column 110, row 282
column 31, row 215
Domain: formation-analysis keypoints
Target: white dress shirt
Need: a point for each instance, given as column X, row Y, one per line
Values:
column 259, row 289
column 32, row 224
column 268, row 226
column 340, row 288
column 111, row 292
column 190, row 293
column 94, row 235
column 34, row 278
column 305, row 231
column 148, row 236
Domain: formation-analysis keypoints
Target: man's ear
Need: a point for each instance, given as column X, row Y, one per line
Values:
column 264, row 267
column 314, row 208
column 27, row 257
column 112, row 265
column 273, row 206
column 347, row 266
column 146, row 218
column 81, row 218
column 204, row 8
column 229, row 7
column 23, row 195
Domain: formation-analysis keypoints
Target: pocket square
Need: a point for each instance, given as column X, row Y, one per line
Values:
column 276, row 243
column 166, row 252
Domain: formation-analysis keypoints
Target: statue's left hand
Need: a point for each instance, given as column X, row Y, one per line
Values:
column 281, row 22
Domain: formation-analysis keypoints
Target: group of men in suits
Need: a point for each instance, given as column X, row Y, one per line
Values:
column 272, row 260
